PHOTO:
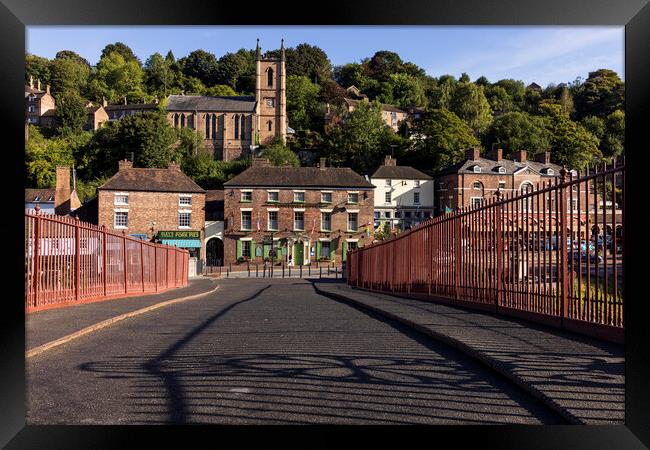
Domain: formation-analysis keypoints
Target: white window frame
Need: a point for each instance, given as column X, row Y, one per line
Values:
column 348, row 221
column 121, row 194
column 416, row 198
column 501, row 182
column 476, row 169
column 326, row 192
column 184, row 196
column 303, row 196
column 322, row 228
column 388, row 197
column 268, row 196
column 387, row 183
column 184, row 211
column 241, row 218
column 357, row 194
column 115, row 213
column 472, row 201
column 294, row 219
column 241, row 195
column 268, row 219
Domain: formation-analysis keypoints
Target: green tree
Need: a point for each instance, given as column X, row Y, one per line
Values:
column 38, row 68
column 69, row 54
column 202, row 65
column 158, row 75
column 122, row 49
column 499, row 100
column 383, row 64
column 67, row 75
column 42, row 156
column 602, row 93
column 406, row 90
column 517, row 130
column 220, row 90
column 71, row 113
column 280, row 155
column 469, row 103
column 115, row 78
column 360, row 140
column 302, row 101
column 572, row 144
column 440, row 96
column 237, row 70
column 351, row 74
column 441, row 139
column 515, row 89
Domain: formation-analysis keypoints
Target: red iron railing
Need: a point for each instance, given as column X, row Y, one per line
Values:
column 554, row 255
column 68, row 261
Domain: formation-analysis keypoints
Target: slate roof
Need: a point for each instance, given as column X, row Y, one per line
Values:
column 88, row 212
column 206, row 103
column 130, row 106
column 151, row 180
column 491, row 166
column 400, row 173
column 31, row 90
column 44, row 194
column 270, row 176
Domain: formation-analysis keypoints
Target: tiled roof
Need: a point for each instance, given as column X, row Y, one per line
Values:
column 205, row 103
column 31, row 90
column 492, row 166
column 270, row 176
column 88, row 212
column 151, row 180
column 44, row 194
column 400, row 173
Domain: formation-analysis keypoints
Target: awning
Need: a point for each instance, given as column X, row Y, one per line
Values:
column 182, row 243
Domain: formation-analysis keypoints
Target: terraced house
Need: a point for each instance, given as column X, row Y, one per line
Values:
column 305, row 214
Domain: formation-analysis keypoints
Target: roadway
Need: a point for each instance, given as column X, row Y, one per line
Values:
column 260, row 351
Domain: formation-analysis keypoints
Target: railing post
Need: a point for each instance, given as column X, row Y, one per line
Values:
column 142, row 263
column 499, row 250
column 104, row 260
column 125, row 260
column 37, row 254
column 166, row 268
column 77, row 259
column 155, row 265
column 457, row 242
column 564, row 276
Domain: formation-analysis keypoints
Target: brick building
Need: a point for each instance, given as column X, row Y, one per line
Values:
column 164, row 204
column 38, row 103
column 230, row 126
column 472, row 181
column 308, row 213
column 391, row 115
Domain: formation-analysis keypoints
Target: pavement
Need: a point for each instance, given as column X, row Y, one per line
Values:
column 260, row 351
column 580, row 378
column 46, row 326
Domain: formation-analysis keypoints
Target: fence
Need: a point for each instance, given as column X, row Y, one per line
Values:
column 266, row 270
column 553, row 254
column 68, row 261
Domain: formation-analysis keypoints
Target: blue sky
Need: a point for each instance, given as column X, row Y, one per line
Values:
column 544, row 54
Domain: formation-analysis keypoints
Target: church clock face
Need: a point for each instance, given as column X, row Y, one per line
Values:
column 270, row 102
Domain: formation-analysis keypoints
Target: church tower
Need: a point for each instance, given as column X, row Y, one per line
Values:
column 270, row 97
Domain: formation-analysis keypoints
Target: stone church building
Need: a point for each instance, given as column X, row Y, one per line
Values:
column 234, row 126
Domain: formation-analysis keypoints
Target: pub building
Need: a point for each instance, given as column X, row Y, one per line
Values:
column 164, row 205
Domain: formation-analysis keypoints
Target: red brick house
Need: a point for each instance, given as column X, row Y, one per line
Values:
column 305, row 213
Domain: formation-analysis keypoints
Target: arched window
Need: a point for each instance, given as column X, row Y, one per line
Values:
column 236, row 119
column 270, row 77
column 176, row 120
column 214, row 126
column 270, row 125
column 243, row 126
column 527, row 188
column 207, row 126
column 182, row 120
column 477, row 185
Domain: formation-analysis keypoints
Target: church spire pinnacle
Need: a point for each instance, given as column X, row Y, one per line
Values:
column 257, row 49
column 282, row 57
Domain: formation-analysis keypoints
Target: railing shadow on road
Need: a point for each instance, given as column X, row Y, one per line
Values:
column 582, row 368
column 363, row 377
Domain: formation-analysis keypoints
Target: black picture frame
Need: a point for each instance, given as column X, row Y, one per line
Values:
column 16, row 14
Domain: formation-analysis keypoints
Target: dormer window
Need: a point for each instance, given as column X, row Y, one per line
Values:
column 549, row 171
column 476, row 169
column 501, row 169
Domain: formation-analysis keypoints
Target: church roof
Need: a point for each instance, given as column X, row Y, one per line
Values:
column 207, row 103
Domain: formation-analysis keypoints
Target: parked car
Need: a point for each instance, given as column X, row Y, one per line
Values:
column 583, row 257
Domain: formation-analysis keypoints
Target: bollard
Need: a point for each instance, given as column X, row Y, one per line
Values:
column 283, row 269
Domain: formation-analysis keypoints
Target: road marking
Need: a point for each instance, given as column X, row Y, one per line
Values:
column 98, row 326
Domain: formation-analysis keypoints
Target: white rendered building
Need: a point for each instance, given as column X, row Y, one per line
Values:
column 403, row 195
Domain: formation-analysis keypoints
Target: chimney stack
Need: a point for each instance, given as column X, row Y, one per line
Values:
column 520, row 155
column 389, row 161
column 496, row 155
column 38, row 85
column 174, row 166
column 104, row 102
column 260, row 162
column 473, row 154
column 321, row 164
column 125, row 164
column 125, row 99
column 47, row 88
column 62, row 191
column 544, row 157
column 31, row 81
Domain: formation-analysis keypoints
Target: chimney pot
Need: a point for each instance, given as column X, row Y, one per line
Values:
column 38, row 86
column 496, row 154
column 544, row 157
column 260, row 162
column 520, row 155
column 31, row 81
column 473, row 154
column 47, row 88
column 125, row 99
